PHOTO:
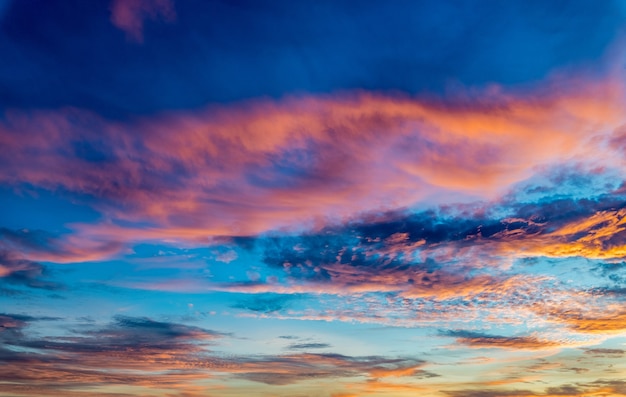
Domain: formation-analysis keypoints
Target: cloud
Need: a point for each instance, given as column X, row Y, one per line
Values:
column 304, row 162
column 154, row 356
column 449, row 266
column 610, row 320
column 40, row 245
column 11, row 325
column 602, row 352
column 503, row 208
column 307, row 346
column 128, row 351
column 600, row 235
column 491, row 393
column 23, row 272
column 608, row 386
column 142, row 336
column 288, row 369
column 598, row 387
column 129, row 15
column 226, row 256
column 481, row 340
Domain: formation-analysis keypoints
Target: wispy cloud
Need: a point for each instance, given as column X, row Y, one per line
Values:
column 126, row 351
column 482, row 340
column 308, row 346
column 130, row 15
column 14, row 269
column 162, row 355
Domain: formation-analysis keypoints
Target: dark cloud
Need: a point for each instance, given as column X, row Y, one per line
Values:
column 45, row 246
column 610, row 353
column 126, row 351
column 306, row 346
column 131, row 333
column 355, row 253
column 478, row 339
column 28, row 239
column 23, row 272
column 12, row 326
column 490, row 393
column 144, row 352
column 577, row 370
column 615, row 272
column 379, row 247
column 144, row 326
column 608, row 386
column 289, row 369
column 278, row 379
column 564, row 390
column 13, row 323
column 609, row 291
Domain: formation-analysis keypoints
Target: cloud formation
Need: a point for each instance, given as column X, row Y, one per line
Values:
column 129, row 15
column 16, row 270
column 481, row 340
column 267, row 165
column 127, row 351
column 152, row 355
column 469, row 242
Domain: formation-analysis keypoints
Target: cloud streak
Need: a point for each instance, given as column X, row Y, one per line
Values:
column 153, row 355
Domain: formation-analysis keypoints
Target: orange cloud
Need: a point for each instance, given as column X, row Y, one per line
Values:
column 303, row 161
column 599, row 236
column 611, row 321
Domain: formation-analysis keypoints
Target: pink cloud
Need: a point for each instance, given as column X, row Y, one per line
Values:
column 303, row 162
column 129, row 15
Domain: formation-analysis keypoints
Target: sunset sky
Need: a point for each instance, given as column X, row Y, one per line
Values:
column 321, row 198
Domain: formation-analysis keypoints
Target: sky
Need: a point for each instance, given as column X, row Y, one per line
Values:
column 312, row 198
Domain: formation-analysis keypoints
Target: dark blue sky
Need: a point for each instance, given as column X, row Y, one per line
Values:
column 69, row 53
